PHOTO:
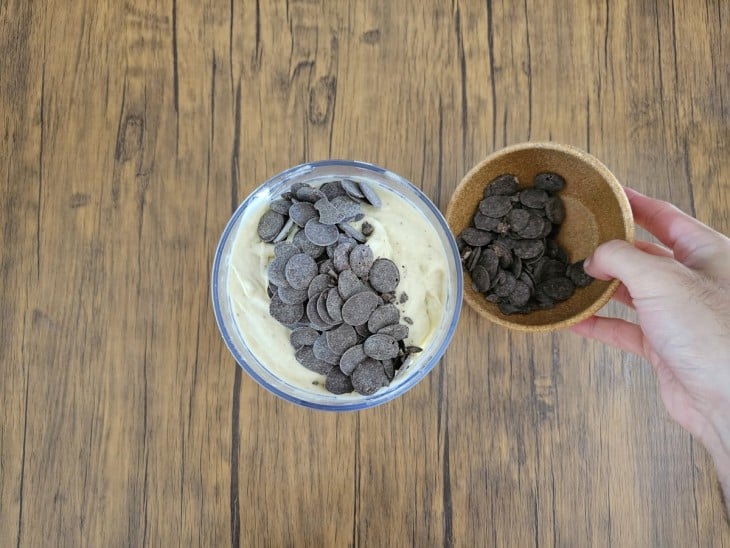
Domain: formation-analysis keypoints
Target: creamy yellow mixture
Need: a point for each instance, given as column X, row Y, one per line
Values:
column 402, row 234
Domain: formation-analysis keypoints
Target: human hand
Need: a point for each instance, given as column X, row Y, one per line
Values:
column 681, row 294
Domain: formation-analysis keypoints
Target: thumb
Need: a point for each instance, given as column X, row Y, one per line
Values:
column 643, row 274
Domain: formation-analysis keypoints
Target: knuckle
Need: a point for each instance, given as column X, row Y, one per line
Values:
column 609, row 251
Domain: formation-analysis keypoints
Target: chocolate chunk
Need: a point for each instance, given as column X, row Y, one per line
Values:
column 368, row 377
column 319, row 283
column 526, row 279
column 502, row 250
column 504, row 185
column 332, row 189
column 321, row 234
column 351, row 358
column 284, row 232
column 327, row 266
column 384, row 276
column 281, row 206
column 322, row 309
column 337, row 382
column 361, row 259
column 290, row 295
column 578, row 275
column 334, row 304
column 398, row 331
column 349, row 284
column 309, row 194
column 370, row 195
column 352, row 189
column 387, row 314
column 341, row 256
column 506, row 286
column 303, row 336
column 323, row 352
column 495, row 206
column 475, row 237
column 269, row 225
column 548, row 229
column 533, row 197
column 518, row 219
column 506, row 242
column 507, row 308
column 276, row 271
column 474, row 259
column 551, row 268
column 349, row 208
column 341, row 338
column 357, row 309
column 555, row 210
column 403, row 298
column 490, row 261
column 389, row 368
column 285, row 313
column 294, row 188
column 286, row 250
column 305, row 356
column 367, row 229
column 381, row 347
column 328, row 213
column 482, row 222
column 542, row 300
column 300, row 271
column 533, row 228
column 352, row 232
column 302, row 212
column 527, row 249
column 480, row 279
column 558, row 289
column 315, row 319
column 520, row 294
column 408, row 320
column 551, row 182
column 552, row 249
column 362, row 331
column 345, row 239
column 302, row 242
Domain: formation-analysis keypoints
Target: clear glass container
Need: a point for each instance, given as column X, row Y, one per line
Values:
column 315, row 173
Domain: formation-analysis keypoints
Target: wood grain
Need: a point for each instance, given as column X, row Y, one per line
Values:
column 129, row 133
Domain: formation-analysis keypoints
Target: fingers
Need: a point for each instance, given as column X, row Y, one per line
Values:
column 613, row 331
column 654, row 249
column 623, row 296
column 644, row 275
column 694, row 244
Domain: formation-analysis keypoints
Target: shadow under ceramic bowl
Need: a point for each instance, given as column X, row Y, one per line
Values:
column 596, row 211
column 317, row 398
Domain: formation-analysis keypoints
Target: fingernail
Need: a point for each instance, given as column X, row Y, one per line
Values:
column 586, row 262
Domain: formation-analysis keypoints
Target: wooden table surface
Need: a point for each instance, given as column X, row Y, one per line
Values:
column 131, row 130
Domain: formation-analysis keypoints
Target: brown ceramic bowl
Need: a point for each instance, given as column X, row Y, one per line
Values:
column 596, row 210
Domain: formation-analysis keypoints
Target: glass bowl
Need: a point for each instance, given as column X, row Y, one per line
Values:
column 263, row 369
